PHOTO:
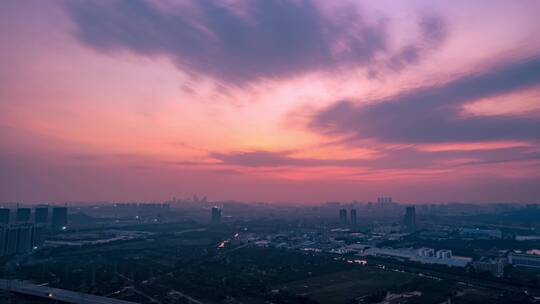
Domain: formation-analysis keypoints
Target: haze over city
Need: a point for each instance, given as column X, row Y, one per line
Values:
column 269, row 152
column 278, row 101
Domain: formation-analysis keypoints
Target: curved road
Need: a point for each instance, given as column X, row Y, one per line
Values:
column 56, row 293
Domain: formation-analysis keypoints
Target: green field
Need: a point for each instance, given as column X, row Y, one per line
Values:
column 342, row 286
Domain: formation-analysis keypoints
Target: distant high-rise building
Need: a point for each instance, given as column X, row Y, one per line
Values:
column 353, row 217
column 343, row 216
column 23, row 215
column 4, row 216
column 24, row 238
column 3, row 240
column 216, row 214
column 41, row 215
column 384, row 200
column 12, row 234
column 410, row 217
column 38, row 235
column 59, row 218
column 21, row 238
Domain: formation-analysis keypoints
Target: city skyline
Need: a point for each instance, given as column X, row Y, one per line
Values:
column 280, row 101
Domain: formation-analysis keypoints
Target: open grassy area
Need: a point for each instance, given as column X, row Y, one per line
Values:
column 339, row 287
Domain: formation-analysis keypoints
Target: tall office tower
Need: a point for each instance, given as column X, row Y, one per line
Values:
column 24, row 239
column 23, row 215
column 41, row 215
column 353, row 217
column 4, row 216
column 343, row 216
column 59, row 218
column 216, row 214
column 410, row 217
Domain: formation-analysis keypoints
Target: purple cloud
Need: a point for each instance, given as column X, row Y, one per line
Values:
column 432, row 114
column 433, row 33
column 272, row 38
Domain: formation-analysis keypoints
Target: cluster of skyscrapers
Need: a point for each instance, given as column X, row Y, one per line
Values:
column 23, row 233
column 409, row 218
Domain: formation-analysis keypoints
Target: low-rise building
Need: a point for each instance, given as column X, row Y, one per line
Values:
column 493, row 266
column 481, row 233
column 444, row 254
column 426, row 252
column 526, row 260
column 523, row 238
column 422, row 255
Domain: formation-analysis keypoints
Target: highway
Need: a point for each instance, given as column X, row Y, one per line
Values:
column 56, row 293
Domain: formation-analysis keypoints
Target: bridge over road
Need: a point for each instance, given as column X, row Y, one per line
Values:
column 56, row 293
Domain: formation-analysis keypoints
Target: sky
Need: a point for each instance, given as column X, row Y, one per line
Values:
column 279, row 101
